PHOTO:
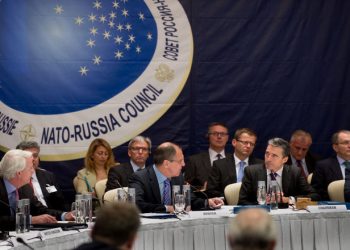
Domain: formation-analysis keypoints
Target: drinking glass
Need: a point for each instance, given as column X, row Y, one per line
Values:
column 179, row 203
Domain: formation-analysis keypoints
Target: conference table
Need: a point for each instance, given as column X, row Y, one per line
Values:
column 208, row 230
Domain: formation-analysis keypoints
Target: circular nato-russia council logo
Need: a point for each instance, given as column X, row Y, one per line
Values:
column 72, row 71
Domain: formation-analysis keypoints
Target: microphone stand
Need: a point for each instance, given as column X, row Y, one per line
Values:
column 206, row 201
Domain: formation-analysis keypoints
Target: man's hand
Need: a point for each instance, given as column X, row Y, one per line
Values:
column 44, row 218
column 170, row 209
column 69, row 216
column 215, row 202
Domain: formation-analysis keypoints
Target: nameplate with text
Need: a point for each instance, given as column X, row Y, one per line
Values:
column 326, row 208
column 51, row 233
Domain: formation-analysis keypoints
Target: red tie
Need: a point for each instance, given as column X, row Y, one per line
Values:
column 301, row 167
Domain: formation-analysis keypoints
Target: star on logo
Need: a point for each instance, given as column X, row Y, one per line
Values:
column 120, row 27
column 93, row 31
column 115, row 5
column 92, row 17
column 128, row 26
column 97, row 60
column 127, row 46
column 103, row 19
column 118, row 54
column 83, row 71
column 106, row 35
column 112, row 15
column 97, row 5
column 27, row 132
column 125, row 12
column 111, row 24
column 58, row 9
column 118, row 39
column 141, row 16
column 138, row 49
column 90, row 43
column 79, row 20
column 131, row 38
column 149, row 36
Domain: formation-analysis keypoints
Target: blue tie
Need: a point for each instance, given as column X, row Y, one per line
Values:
column 347, row 181
column 240, row 171
column 166, row 193
column 13, row 201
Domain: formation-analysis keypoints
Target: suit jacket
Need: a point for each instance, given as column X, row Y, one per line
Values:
column 293, row 183
column 25, row 192
column 197, row 169
column 310, row 160
column 326, row 171
column 54, row 200
column 82, row 187
column 223, row 173
column 119, row 173
column 148, row 197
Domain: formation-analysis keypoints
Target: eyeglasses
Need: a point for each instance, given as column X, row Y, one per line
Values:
column 217, row 134
column 246, row 143
column 138, row 149
column 344, row 143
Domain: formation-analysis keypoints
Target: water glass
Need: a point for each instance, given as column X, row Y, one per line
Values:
column 187, row 193
column 121, row 195
column 179, row 203
column 176, row 189
column 131, row 195
column 261, row 193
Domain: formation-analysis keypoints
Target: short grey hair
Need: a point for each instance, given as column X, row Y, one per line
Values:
column 281, row 143
column 252, row 228
column 12, row 162
column 335, row 136
column 140, row 138
column 28, row 144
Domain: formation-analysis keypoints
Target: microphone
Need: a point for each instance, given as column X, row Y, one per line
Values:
column 20, row 240
column 206, row 202
column 122, row 188
column 280, row 202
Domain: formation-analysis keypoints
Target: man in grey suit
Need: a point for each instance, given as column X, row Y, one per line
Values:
column 333, row 168
column 139, row 149
column 231, row 169
column 198, row 166
column 289, row 178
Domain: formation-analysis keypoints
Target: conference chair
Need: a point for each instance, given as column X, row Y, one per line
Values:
column 232, row 193
column 336, row 190
column 100, row 188
column 110, row 196
column 309, row 178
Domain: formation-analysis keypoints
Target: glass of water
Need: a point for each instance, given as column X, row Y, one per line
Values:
column 179, row 203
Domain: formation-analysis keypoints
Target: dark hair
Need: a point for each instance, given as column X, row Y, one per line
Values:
column 165, row 151
column 28, row 144
column 216, row 124
column 116, row 223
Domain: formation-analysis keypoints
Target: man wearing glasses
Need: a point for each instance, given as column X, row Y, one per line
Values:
column 231, row 169
column 334, row 168
column 139, row 149
column 198, row 166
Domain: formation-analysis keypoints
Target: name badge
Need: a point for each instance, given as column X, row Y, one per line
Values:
column 51, row 189
column 326, row 208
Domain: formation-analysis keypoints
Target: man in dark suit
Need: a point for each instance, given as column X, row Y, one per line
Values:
column 231, row 169
column 153, row 185
column 16, row 169
column 44, row 183
column 289, row 178
column 198, row 166
column 333, row 168
column 139, row 149
column 300, row 156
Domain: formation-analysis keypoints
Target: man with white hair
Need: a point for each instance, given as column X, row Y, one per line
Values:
column 16, row 169
column 252, row 229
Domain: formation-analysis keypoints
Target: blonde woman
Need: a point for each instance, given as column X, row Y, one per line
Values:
column 98, row 160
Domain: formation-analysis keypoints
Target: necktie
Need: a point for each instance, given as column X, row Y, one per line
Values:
column 13, row 197
column 166, row 193
column 273, row 176
column 347, row 181
column 301, row 167
column 218, row 156
column 240, row 171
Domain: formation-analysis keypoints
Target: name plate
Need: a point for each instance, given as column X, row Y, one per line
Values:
column 50, row 233
column 326, row 208
column 203, row 214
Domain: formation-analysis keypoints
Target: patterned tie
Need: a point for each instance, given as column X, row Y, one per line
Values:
column 240, row 171
column 273, row 176
column 300, row 165
column 167, row 193
column 347, row 181
column 13, row 198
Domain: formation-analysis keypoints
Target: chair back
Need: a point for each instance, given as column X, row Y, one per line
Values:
column 336, row 190
column 232, row 193
column 100, row 188
column 110, row 195
column 309, row 178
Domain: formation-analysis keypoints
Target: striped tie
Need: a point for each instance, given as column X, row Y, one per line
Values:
column 166, row 193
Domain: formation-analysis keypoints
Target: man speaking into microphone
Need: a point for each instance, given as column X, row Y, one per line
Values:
column 290, row 180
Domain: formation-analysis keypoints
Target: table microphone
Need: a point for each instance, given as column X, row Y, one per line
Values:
column 20, row 240
column 206, row 203
column 280, row 202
